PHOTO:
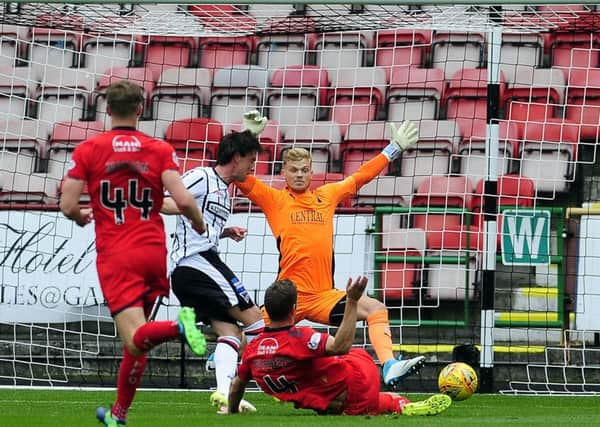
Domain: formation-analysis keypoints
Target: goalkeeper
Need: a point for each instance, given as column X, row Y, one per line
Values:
column 301, row 221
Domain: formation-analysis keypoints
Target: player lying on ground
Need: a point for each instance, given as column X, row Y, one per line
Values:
column 125, row 171
column 301, row 221
column 315, row 370
column 201, row 279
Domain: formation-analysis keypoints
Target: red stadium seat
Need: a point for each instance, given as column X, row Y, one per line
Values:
column 65, row 136
column 401, row 280
column 164, row 52
column 356, row 95
column 415, row 94
column 195, row 139
column 363, row 141
column 574, row 49
column 441, row 192
column 225, row 52
column 583, row 101
column 397, row 49
column 466, row 96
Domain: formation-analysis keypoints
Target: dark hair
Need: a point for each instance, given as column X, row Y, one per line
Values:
column 280, row 298
column 242, row 143
column 123, row 98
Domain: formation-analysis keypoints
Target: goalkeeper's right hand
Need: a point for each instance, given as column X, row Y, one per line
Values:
column 254, row 122
column 401, row 139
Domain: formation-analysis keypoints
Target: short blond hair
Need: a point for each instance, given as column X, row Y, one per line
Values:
column 295, row 154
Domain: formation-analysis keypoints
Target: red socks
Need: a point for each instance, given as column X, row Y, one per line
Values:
column 151, row 334
column 130, row 374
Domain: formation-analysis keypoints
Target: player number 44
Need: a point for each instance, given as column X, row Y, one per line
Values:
column 113, row 198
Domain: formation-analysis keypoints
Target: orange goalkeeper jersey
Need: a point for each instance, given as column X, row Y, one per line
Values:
column 302, row 224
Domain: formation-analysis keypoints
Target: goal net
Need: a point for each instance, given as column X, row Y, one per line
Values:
column 485, row 229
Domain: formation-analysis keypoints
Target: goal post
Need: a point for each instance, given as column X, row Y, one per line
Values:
column 465, row 238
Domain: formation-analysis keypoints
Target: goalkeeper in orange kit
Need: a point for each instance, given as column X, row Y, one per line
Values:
column 301, row 221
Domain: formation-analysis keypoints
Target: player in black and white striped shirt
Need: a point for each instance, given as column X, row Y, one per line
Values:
column 200, row 278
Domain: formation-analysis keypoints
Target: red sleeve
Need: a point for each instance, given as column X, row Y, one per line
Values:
column 170, row 157
column 77, row 165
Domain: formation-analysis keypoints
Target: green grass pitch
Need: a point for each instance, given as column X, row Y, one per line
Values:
column 41, row 408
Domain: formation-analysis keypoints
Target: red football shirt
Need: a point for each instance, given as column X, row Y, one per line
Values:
column 123, row 169
column 291, row 364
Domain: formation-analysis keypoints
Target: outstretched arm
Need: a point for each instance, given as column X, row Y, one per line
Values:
column 344, row 337
column 236, row 393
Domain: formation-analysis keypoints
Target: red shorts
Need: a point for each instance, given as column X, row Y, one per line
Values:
column 133, row 280
column 363, row 383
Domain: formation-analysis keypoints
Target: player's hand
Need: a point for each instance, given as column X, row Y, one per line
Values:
column 356, row 288
column 254, row 122
column 235, row 233
column 405, row 136
column 85, row 217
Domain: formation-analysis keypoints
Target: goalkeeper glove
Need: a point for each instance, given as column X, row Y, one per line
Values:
column 254, row 122
column 402, row 138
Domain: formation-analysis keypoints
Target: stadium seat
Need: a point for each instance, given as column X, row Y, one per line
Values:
column 144, row 77
column 398, row 49
column 225, row 52
column 180, row 93
column 471, row 149
column 520, row 51
column 237, row 90
column 195, row 139
column 163, row 52
column 466, row 95
column 264, row 12
column 155, row 128
column 11, row 41
column 548, row 154
column 321, row 139
column 64, row 138
column 433, row 152
column 295, row 94
column 441, row 192
column 415, row 94
column 453, row 51
column 453, row 281
column 17, row 85
column 583, row 101
column 103, row 52
column 364, row 141
column 52, row 49
column 64, row 96
column 356, row 95
column 344, row 50
column 23, row 143
column 385, row 191
column 271, row 139
column 574, row 49
column 536, row 86
column 284, row 42
column 401, row 280
column 27, row 189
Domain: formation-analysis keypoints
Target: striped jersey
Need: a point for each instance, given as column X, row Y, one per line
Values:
column 212, row 197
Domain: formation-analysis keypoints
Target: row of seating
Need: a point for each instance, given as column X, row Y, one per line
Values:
column 298, row 95
column 448, row 51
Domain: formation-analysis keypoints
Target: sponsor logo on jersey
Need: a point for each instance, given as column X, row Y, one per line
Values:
column 267, row 346
column 218, row 210
column 314, row 341
column 126, row 144
column 306, row 217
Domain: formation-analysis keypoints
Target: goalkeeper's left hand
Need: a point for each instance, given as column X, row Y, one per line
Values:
column 401, row 139
column 254, row 122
